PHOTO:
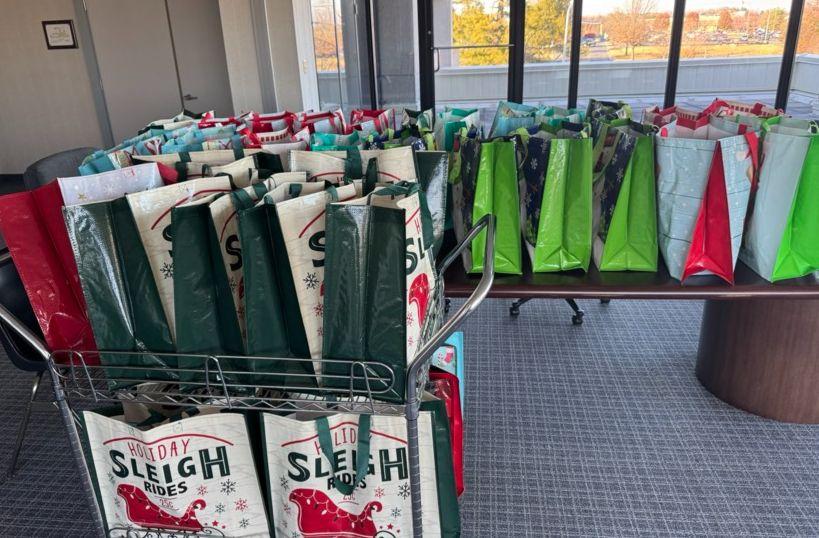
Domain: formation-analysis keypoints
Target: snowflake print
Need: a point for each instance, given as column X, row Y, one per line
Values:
column 228, row 487
column 410, row 341
column 404, row 491
column 244, row 523
column 220, row 508
column 287, row 509
column 318, row 310
column 533, row 164
column 396, row 513
column 167, row 503
column 410, row 319
column 166, row 270
column 379, row 492
column 112, row 479
column 320, row 331
column 311, row 281
column 241, row 505
column 202, row 490
column 295, row 535
column 232, row 284
column 284, row 483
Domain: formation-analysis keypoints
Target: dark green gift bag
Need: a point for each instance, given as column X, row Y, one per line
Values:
column 379, row 280
column 205, row 323
column 272, row 316
column 121, row 295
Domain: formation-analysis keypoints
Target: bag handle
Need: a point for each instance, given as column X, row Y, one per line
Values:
column 352, row 164
column 370, row 178
column 362, row 463
column 753, row 149
column 408, row 188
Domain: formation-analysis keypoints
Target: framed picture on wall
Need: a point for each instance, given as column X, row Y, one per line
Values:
column 60, row 34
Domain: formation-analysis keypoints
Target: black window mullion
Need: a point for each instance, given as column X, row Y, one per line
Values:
column 368, row 15
column 674, row 47
column 789, row 54
column 574, row 55
column 426, row 62
column 517, row 26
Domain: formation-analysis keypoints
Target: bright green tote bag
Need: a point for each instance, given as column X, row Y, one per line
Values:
column 564, row 233
column 496, row 192
column 626, row 206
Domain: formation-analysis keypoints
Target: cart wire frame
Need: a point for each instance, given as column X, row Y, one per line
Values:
column 370, row 385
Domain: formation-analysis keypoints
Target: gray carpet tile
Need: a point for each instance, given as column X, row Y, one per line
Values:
column 597, row 430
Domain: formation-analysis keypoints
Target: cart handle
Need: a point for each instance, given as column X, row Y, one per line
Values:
column 470, row 305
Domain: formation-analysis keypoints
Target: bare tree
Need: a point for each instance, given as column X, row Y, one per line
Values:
column 629, row 24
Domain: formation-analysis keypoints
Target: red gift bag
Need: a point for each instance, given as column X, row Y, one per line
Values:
column 445, row 387
column 33, row 227
column 371, row 120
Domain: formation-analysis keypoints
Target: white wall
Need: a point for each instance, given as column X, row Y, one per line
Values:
column 240, row 51
column 283, row 54
column 46, row 104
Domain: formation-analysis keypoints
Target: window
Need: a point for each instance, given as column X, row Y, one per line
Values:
column 731, row 49
column 803, row 100
column 547, row 38
column 472, row 54
column 624, row 51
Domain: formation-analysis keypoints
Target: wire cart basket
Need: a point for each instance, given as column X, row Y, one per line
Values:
column 371, row 386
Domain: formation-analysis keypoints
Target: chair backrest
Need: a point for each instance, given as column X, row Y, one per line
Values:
column 13, row 297
column 62, row 164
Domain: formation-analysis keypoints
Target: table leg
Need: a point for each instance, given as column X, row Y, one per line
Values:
column 762, row 355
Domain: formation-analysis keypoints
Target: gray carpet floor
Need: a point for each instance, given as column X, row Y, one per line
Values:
column 597, row 430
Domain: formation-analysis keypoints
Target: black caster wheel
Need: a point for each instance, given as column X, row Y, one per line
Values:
column 605, row 301
column 514, row 311
column 577, row 319
column 447, row 303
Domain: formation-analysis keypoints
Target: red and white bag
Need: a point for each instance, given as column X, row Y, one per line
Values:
column 195, row 476
column 372, row 120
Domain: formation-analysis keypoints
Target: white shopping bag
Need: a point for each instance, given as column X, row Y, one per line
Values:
column 195, row 476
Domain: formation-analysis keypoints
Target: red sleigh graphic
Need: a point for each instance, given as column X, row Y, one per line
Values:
column 319, row 517
column 143, row 512
column 419, row 294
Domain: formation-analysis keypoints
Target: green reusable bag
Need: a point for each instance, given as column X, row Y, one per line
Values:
column 626, row 209
column 379, row 274
column 433, row 169
column 496, row 192
column 272, row 316
column 448, row 508
column 798, row 253
column 205, row 321
column 120, row 292
column 564, row 233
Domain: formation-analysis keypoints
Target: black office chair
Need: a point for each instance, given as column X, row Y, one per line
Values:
column 23, row 355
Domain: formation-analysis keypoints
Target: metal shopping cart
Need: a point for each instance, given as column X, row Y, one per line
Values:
column 371, row 385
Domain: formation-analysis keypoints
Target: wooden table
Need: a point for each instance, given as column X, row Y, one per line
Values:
column 759, row 342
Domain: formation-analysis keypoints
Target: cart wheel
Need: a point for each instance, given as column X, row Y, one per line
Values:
column 605, row 301
column 446, row 305
column 577, row 319
column 514, row 310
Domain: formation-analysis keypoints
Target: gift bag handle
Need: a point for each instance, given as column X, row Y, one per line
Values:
column 362, row 452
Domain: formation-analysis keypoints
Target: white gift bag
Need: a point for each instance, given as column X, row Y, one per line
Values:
column 109, row 185
column 152, row 215
column 195, row 476
column 374, row 500
column 302, row 222
column 395, row 164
